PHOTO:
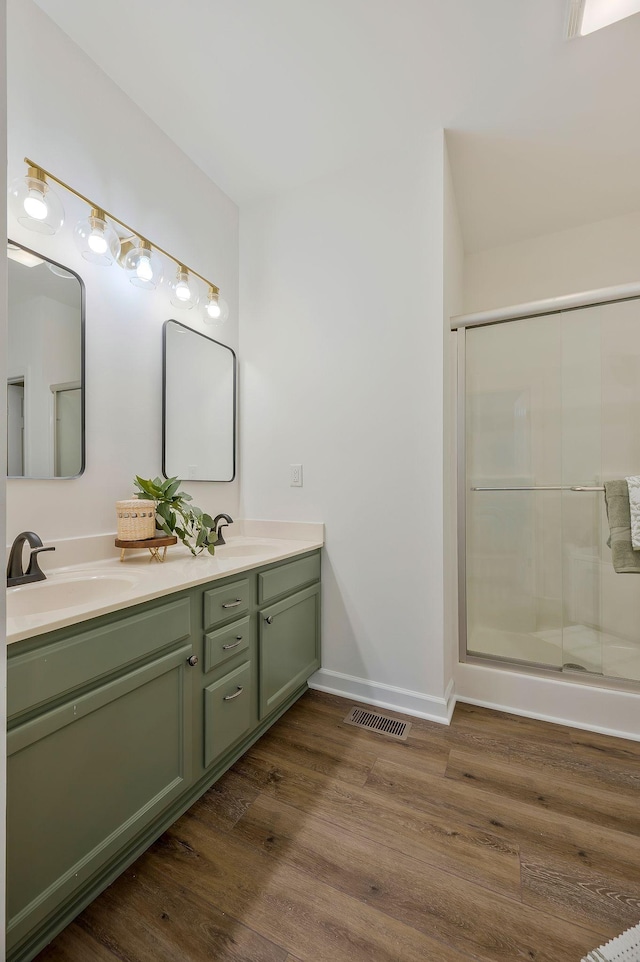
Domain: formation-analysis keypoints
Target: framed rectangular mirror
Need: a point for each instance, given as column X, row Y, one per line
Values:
column 45, row 368
column 198, row 406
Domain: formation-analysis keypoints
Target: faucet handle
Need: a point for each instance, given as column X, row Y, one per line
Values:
column 34, row 571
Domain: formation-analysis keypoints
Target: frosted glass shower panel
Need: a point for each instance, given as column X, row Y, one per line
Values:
column 552, row 411
column 514, row 532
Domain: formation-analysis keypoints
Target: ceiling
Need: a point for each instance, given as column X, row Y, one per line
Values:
column 264, row 96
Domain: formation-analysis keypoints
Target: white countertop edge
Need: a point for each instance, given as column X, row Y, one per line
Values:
column 155, row 580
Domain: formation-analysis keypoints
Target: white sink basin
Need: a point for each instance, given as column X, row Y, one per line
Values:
column 67, row 592
column 240, row 551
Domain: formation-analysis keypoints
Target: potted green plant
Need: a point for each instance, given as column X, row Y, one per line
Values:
column 175, row 514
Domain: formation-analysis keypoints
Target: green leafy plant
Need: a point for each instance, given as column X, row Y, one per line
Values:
column 176, row 515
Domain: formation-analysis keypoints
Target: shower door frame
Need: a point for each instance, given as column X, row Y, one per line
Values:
column 504, row 315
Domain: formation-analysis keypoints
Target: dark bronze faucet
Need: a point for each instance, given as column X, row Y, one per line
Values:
column 15, row 573
column 218, row 528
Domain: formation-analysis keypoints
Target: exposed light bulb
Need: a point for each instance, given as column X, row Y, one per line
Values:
column 182, row 291
column 97, row 241
column 213, row 309
column 142, row 264
column 144, row 269
column 216, row 308
column 35, row 205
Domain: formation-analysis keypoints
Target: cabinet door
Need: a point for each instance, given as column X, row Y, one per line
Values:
column 289, row 646
column 84, row 778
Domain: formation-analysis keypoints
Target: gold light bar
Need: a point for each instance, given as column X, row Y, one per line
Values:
column 135, row 233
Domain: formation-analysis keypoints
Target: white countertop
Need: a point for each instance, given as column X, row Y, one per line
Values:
column 76, row 593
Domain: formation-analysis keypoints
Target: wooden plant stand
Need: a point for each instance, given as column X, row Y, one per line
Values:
column 157, row 546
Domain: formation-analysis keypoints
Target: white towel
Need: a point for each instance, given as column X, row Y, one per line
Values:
column 626, row 948
column 634, row 507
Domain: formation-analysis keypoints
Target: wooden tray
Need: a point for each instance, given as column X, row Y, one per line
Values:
column 153, row 544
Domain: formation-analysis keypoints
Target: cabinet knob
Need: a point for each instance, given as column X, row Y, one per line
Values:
column 269, row 619
column 193, row 661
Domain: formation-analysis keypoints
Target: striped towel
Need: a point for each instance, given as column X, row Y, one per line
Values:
column 634, row 506
column 626, row 948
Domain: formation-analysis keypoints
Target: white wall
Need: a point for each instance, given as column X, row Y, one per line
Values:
column 584, row 258
column 342, row 370
column 84, row 129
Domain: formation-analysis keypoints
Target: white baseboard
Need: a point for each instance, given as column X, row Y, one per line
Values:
column 386, row 696
column 582, row 706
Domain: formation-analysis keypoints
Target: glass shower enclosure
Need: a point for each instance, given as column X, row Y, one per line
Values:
column 551, row 409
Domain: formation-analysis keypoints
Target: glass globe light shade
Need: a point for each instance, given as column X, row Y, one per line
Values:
column 34, row 204
column 216, row 308
column 96, row 239
column 143, row 266
column 183, row 290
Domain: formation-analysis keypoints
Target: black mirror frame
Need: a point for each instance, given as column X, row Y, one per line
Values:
column 164, row 402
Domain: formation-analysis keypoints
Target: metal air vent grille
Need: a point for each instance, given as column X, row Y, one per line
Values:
column 374, row 722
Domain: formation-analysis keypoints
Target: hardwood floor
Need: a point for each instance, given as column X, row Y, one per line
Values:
column 497, row 839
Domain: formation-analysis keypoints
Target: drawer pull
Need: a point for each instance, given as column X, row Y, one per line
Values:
column 234, row 645
column 230, row 697
column 192, row 660
column 269, row 619
column 233, row 604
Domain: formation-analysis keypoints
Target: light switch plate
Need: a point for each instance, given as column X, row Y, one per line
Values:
column 295, row 475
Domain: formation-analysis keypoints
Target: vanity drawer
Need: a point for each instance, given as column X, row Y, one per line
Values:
column 57, row 668
column 295, row 574
column 226, row 602
column 226, row 642
column 227, row 712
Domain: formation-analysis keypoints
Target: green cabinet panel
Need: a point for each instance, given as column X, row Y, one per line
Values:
column 229, row 601
column 51, row 671
column 289, row 636
column 227, row 711
column 86, row 777
column 225, row 643
column 286, row 578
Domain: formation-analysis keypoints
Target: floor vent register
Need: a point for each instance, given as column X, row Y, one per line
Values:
column 373, row 721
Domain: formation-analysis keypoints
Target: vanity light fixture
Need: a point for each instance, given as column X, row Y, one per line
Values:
column 183, row 291
column 34, row 204
column 38, row 207
column 216, row 308
column 142, row 264
column 96, row 239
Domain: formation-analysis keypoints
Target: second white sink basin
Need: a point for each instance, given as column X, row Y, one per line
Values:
column 240, row 551
column 67, row 592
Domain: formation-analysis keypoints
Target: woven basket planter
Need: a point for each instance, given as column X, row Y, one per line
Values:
column 136, row 520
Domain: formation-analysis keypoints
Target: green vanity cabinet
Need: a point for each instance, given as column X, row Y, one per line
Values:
column 118, row 724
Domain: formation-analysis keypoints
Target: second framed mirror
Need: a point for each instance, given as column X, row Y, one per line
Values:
column 198, row 406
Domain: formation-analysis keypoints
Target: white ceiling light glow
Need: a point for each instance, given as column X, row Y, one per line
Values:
column 587, row 16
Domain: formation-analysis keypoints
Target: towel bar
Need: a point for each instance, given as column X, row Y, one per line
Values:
column 543, row 487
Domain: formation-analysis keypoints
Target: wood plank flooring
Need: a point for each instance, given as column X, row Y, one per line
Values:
column 497, row 839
